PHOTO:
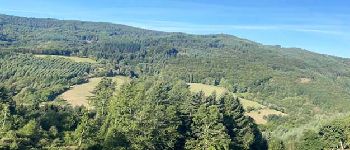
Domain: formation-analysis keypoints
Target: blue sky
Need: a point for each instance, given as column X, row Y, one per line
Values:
column 322, row 26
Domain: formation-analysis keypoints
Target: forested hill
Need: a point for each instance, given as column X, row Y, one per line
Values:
column 298, row 82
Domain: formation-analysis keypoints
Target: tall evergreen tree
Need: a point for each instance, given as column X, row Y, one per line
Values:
column 207, row 130
column 102, row 94
column 242, row 129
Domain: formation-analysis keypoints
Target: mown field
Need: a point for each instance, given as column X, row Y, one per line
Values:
column 78, row 95
column 258, row 112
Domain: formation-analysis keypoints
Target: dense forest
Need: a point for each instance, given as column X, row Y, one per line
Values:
column 156, row 110
column 148, row 113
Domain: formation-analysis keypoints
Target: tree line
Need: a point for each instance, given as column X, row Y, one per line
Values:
column 152, row 113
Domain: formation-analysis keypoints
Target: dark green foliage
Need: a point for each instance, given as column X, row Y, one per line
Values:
column 207, row 130
column 25, row 127
column 33, row 80
column 333, row 135
column 271, row 73
column 153, row 113
column 102, row 94
column 311, row 141
column 143, row 114
column 275, row 144
column 244, row 133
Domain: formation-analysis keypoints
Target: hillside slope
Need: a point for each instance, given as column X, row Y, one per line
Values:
column 296, row 81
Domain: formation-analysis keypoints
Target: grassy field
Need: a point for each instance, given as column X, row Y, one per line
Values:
column 248, row 103
column 78, row 95
column 76, row 59
column 259, row 110
column 207, row 89
column 258, row 115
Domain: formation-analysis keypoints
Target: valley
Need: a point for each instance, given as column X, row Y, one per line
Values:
column 61, row 87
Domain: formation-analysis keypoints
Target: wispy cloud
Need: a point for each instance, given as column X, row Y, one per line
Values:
column 320, row 31
column 176, row 26
column 171, row 26
column 21, row 11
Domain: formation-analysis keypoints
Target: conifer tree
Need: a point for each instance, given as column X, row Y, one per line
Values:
column 242, row 130
column 208, row 131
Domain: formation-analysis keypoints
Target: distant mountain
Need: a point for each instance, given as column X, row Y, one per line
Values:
column 298, row 82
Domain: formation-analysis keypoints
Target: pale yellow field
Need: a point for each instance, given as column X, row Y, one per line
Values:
column 248, row 103
column 304, row 80
column 257, row 115
column 120, row 80
column 76, row 59
column 78, row 95
column 207, row 89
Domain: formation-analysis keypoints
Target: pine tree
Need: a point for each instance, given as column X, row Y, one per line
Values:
column 102, row 94
column 114, row 139
column 121, row 115
column 5, row 115
column 208, row 131
column 242, row 129
column 84, row 135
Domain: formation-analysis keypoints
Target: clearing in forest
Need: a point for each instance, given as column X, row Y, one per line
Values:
column 258, row 115
column 74, row 58
column 207, row 89
column 258, row 112
column 78, row 95
column 304, row 80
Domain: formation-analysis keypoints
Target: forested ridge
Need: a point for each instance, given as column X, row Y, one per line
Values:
column 155, row 113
